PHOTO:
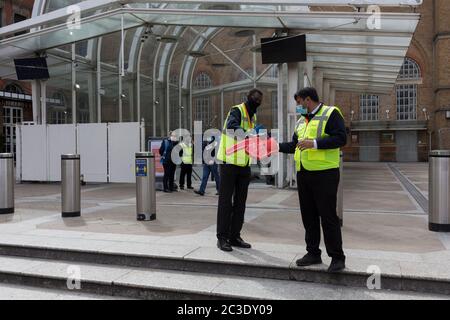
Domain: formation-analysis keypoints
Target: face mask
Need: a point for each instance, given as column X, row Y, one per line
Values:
column 253, row 105
column 301, row 110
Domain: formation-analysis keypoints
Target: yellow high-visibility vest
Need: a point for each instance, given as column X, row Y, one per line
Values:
column 187, row 153
column 316, row 159
column 239, row 158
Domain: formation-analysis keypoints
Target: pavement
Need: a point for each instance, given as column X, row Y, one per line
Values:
column 384, row 224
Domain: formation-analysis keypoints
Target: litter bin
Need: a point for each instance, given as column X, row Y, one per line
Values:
column 6, row 183
column 145, row 186
column 340, row 195
column 70, row 186
column 439, row 191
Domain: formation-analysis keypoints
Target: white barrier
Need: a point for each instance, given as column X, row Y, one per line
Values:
column 107, row 150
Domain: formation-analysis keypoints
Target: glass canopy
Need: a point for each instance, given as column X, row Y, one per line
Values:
column 134, row 58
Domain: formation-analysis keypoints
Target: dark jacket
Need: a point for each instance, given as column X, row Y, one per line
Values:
column 335, row 128
column 166, row 150
column 234, row 119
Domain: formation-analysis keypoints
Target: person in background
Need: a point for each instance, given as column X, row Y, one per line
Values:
column 166, row 159
column 209, row 166
column 186, row 165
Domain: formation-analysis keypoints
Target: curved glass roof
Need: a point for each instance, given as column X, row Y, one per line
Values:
column 339, row 41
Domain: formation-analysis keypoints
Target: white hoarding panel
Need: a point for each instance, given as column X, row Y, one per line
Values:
column 92, row 147
column 61, row 140
column 123, row 143
column 34, row 153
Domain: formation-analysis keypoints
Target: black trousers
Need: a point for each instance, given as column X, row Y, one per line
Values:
column 169, row 175
column 233, row 190
column 317, row 191
column 186, row 170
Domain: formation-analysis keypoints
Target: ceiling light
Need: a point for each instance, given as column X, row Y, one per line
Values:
column 196, row 54
column 167, row 39
column 219, row 65
column 244, row 33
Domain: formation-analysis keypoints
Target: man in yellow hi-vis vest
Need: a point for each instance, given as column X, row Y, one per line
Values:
column 186, row 165
column 319, row 135
column 235, row 172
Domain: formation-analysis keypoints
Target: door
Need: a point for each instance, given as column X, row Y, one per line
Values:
column 406, row 146
column 11, row 117
column 369, row 150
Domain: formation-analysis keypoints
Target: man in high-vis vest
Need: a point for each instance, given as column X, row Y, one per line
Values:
column 319, row 134
column 186, row 165
column 235, row 172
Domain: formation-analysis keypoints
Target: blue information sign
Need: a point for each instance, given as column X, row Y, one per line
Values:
column 141, row 168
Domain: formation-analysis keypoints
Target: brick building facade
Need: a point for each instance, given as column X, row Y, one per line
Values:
column 394, row 136
column 15, row 96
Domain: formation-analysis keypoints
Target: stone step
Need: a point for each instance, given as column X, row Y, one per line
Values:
column 138, row 283
column 243, row 263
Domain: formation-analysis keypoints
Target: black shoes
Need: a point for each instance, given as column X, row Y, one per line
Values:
column 199, row 193
column 181, row 187
column 224, row 245
column 190, row 188
column 308, row 260
column 238, row 242
column 167, row 191
column 337, row 265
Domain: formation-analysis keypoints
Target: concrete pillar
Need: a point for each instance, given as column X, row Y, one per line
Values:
column 281, row 121
column 332, row 99
column 36, row 100
column 441, row 50
column 318, row 82
column 44, row 102
column 294, row 85
column 326, row 92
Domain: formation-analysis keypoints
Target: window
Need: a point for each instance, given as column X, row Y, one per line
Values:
column 202, row 81
column 387, row 137
column 202, row 111
column 369, row 107
column 13, row 88
column 410, row 70
column 407, row 92
column 202, row 105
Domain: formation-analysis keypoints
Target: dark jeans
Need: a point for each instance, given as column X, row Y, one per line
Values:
column 207, row 170
column 169, row 175
column 234, row 182
column 317, row 191
column 186, row 170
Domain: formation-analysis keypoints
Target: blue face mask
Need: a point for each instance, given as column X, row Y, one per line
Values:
column 301, row 110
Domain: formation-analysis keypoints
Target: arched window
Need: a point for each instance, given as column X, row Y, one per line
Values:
column 202, row 105
column 13, row 88
column 407, row 90
column 202, row 81
column 369, row 107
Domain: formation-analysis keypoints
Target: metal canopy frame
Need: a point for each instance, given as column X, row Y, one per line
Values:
column 350, row 56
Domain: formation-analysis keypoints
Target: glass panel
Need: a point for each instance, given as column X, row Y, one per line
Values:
column 59, row 92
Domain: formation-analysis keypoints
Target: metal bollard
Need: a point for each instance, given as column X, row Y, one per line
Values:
column 340, row 195
column 145, row 186
column 70, row 185
column 6, row 183
column 439, row 195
